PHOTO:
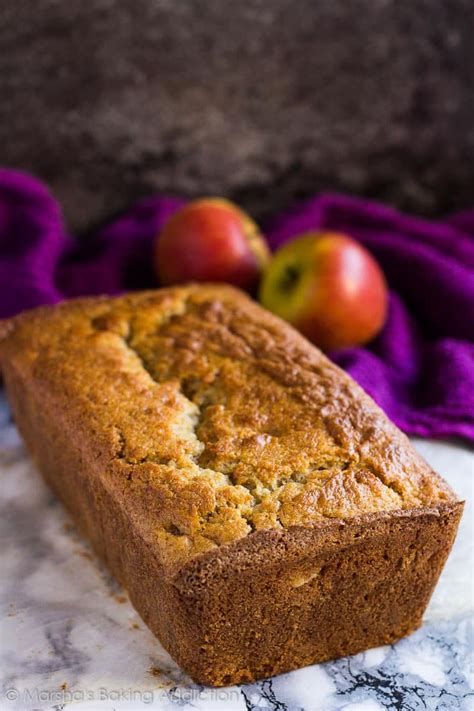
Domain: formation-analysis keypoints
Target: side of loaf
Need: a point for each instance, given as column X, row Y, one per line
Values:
column 260, row 509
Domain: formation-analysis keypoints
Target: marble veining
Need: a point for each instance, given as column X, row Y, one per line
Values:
column 69, row 638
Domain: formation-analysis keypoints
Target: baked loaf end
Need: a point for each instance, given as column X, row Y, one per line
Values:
column 230, row 475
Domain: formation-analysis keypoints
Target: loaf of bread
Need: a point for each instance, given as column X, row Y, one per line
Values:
column 259, row 508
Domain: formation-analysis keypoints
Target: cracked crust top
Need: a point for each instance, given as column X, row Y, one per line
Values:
column 211, row 418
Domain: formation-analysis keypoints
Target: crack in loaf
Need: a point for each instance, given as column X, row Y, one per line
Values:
column 203, row 443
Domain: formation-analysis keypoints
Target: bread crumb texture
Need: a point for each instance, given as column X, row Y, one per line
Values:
column 211, row 418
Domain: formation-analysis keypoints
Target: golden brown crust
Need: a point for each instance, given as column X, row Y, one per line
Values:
column 281, row 599
column 259, row 508
column 213, row 418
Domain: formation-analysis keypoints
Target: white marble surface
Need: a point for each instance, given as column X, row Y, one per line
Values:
column 70, row 639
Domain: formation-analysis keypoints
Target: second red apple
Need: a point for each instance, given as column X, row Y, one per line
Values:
column 329, row 287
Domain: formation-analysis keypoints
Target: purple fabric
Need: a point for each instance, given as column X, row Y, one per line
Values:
column 421, row 367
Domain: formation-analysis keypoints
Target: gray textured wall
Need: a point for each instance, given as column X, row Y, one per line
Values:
column 265, row 100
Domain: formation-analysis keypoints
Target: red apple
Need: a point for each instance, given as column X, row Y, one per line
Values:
column 211, row 240
column 329, row 287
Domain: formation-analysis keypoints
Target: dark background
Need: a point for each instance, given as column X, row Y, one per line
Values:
column 263, row 100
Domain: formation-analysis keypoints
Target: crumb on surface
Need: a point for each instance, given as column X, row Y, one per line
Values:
column 155, row 671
